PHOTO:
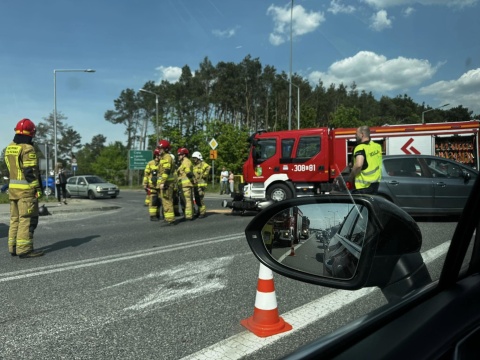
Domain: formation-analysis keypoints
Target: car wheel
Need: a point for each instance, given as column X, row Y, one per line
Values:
column 91, row 195
column 48, row 191
column 68, row 194
column 113, row 196
column 279, row 192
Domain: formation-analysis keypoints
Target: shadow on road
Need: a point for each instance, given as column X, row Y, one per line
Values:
column 67, row 243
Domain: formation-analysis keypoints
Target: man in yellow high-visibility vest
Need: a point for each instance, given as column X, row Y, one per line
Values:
column 367, row 163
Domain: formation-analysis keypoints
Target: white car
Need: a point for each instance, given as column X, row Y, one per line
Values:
column 91, row 186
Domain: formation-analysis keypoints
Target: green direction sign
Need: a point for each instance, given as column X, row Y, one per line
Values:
column 138, row 159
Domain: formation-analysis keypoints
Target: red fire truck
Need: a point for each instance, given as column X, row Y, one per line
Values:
column 287, row 164
column 287, row 225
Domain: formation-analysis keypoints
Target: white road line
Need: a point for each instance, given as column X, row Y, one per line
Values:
column 23, row 274
column 246, row 343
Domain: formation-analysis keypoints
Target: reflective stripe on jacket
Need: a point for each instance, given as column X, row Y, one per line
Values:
column 183, row 172
column 18, row 158
column 166, row 169
column 201, row 171
column 372, row 173
column 149, row 179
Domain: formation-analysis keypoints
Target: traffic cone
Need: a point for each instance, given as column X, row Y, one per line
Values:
column 292, row 250
column 265, row 320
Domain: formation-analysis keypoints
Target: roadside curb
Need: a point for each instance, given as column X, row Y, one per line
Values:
column 54, row 211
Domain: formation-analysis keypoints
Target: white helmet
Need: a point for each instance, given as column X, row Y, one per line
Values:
column 197, row 155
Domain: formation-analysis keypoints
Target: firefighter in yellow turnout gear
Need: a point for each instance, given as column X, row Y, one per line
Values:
column 166, row 181
column 186, row 181
column 200, row 170
column 150, row 182
column 24, row 190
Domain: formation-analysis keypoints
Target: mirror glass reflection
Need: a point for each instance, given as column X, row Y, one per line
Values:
column 321, row 239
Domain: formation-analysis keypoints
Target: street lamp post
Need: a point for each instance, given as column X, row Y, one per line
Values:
column 290, row 75
column 423, row 118
column 55, row 150
column 156, row 109
column 298, row 102
column 333, row 212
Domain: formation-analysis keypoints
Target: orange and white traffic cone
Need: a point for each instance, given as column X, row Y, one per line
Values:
column 265, row 320
column 292, row 250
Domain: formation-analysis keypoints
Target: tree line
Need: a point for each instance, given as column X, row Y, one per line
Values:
column 228, row 102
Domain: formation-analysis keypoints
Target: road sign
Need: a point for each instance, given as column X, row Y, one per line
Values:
column 138, row 159
column 213, row 144
column 213, row 154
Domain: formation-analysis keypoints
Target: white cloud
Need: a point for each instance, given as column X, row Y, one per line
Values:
column 336, row 7
column 464, row 91
column 380, row 21
column 303, row 22
column 408, row 11
column 169, row 73
column 224, row 34
column 376, row 73
column 381, row 4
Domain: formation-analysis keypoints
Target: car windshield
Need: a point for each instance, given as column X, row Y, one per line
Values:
column 143, row 103
column 94, row 180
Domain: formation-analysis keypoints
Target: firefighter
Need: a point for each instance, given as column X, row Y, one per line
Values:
column 150, row 180
column 186, row 181
column 24, row 190
column 200, row 170
column 176, row 191
column 367, row 163
column 166, row 181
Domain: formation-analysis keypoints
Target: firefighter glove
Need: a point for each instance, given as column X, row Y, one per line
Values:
column 38, row 193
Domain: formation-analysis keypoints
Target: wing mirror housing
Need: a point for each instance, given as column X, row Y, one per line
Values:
column 365, row 241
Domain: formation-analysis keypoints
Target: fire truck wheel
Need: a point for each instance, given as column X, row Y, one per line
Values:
column 279, row 192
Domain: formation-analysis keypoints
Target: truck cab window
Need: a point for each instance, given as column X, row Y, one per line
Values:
column 308, row 147
column 264, row 150
column 287, row 147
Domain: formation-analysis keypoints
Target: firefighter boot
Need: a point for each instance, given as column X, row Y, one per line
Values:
column 153, row 218
column 31, row 254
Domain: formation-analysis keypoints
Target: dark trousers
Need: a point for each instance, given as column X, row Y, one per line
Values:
column 372, row 189
column 61, row 191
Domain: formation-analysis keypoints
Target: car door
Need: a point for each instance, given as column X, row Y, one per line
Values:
column 72, row 186
column 82, row 186
column 453, row 183
column 408, row 185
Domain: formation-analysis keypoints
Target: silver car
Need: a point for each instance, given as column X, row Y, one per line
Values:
column 424, row 184
column 91, row 186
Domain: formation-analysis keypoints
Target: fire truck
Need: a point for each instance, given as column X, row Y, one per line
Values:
column 305, row 227
column 287, row 225
column 293, row 163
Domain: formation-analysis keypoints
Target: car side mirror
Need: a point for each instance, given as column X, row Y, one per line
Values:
column 368, row 241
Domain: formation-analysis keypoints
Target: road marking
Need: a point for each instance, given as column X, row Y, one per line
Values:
column 23, row 274
column 246, row 343
column 192, row 279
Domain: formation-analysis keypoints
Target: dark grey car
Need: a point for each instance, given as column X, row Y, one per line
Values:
column 424, row 184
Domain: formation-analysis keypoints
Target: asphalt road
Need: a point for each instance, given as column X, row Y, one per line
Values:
column 114, row 285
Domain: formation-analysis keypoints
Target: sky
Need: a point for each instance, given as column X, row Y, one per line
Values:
column 427, row 49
